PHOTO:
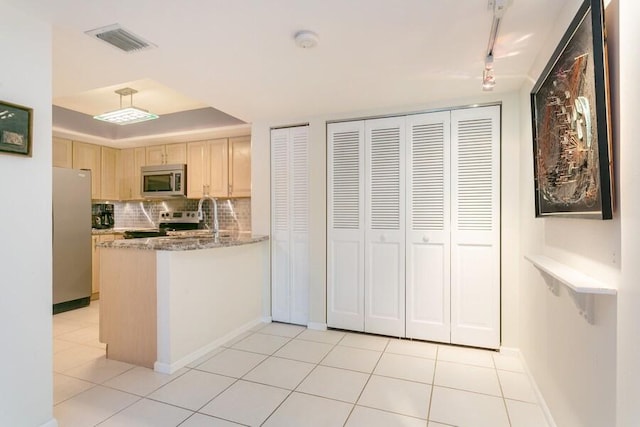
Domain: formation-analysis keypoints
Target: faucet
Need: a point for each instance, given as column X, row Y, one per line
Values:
column 215, row 229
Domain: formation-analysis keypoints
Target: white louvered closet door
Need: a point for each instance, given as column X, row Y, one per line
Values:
column 385, row 227
column 475, row 234
column 428, row 242
column 289, row 225
column 345, row 225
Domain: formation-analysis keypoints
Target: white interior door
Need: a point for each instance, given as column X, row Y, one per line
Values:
column 345, row 226
column 428, row 241
column 384, row 288
column 475, row 235
column 280, row 226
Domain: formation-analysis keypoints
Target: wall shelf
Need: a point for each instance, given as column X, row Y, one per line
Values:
column 581, row 287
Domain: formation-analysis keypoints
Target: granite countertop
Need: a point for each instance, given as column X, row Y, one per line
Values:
column 100, row 231
column 185, row 242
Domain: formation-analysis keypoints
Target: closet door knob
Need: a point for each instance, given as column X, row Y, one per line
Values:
column 425, row 239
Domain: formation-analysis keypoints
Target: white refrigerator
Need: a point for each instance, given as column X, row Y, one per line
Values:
column 71, row 238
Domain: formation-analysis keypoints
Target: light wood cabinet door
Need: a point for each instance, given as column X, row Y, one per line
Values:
column 197, row 169
column 240, row 166
column 87, row 156
column 62, row 153
column 95, row 265
column 109, row 173
column 155, row 155
column 175, row 154
column 219, row 168
column 131, row 160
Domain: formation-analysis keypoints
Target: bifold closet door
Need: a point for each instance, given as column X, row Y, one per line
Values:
column 290, row 225
column 384, row 288
column 475, row 233
column 345, row 231
column 428, row 240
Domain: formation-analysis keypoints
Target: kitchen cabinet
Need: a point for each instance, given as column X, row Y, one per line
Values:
column 166, row 154
column 109, row 183
column 131, row 160
column 87, row 156
column 413, row 238
column 219, row 168
column 62, row 153
column 208, row 168
column 95, row 260
column 290, row 225
column 240, row 166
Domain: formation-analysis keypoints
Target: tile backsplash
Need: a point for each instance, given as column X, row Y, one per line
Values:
column 233, row 214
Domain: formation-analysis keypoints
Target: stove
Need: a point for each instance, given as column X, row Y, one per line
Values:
column 167, row 221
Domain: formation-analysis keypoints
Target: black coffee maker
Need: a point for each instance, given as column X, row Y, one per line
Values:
column 102, row 215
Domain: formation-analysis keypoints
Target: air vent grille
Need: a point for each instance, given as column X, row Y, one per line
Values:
column 120, row 38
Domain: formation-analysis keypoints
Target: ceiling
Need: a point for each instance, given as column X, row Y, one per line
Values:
column 239, row 56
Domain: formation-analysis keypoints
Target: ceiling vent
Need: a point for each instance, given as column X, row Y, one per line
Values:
column 123, row 39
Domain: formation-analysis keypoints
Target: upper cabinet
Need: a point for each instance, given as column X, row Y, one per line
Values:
column 87, row 156
column 62, row 153
column 166, row 154
column 219, row 168
column 131, row 160
column 109, row 174
column 240, row 166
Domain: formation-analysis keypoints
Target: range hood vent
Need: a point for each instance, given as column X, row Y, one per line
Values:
column 120, row 38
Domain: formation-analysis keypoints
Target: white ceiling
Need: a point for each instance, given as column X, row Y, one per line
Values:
column 239, row 56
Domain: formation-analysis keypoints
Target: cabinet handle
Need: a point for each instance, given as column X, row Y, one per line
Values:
column 425, row 239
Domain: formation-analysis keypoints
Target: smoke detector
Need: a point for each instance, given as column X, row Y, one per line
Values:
column 306, row 39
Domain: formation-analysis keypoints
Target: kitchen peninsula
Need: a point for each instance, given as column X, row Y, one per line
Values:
column 167, row 301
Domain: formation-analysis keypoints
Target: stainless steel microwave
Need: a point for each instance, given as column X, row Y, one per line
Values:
column 164, row 181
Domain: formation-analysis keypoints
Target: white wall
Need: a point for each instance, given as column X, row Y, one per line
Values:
column 260, row 203
column 572, row 361
column 629, row 292
column 25, row 229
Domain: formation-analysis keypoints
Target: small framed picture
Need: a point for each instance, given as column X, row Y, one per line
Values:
column 15, row 129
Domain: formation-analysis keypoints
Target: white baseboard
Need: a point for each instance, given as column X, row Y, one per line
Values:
column 170, row 368
column 267, row 319
column 317, row 326
column 515, row 352
column 51, row 423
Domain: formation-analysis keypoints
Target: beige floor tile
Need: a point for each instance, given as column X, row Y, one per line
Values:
column 406, row 367
column 86, row 336
column 65, row 387
column 142, row 381
column 206, row 357
column 508, row 363
column 261, row 343
column 148, row 413
column 412, row 348
column 516, row 386
column 201, row 420
column 435, row 424
column 60, row 345
column 356, row 359
column 467, row 409
column 304, row 351
column 523, row 414
column 237, row 338
column 232, row 363
column 367, row 342
column 99, row 370
column 246, row 403
column 398, row 396
column 280, row 372
column 92, row 407
column 282, row 329
column 369, row 417
column 467, row 377
column 327, row 337
column 309, row 411
column 334, row 383
column 74, row 357
column 192, row 390
column 63, row 326
column 468, row 356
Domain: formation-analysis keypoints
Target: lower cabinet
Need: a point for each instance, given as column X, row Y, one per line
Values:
column 95, row 260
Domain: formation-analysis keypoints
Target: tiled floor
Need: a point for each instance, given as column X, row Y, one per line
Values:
column 283, row 375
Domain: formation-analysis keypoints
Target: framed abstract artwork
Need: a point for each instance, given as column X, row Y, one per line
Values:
column 15, row 129
column 571, row 125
